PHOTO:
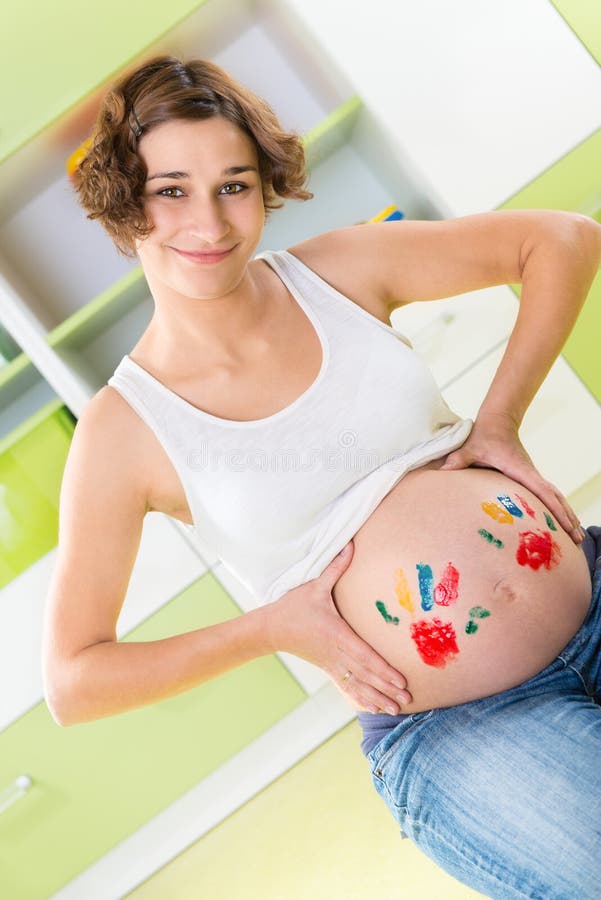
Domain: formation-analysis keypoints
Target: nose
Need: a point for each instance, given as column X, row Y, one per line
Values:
column 208, row 222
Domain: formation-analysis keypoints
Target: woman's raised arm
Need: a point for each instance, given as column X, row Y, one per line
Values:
column 555, row 255
column 559, row 259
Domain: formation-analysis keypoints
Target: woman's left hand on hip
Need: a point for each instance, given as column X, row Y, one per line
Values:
column 494, row 443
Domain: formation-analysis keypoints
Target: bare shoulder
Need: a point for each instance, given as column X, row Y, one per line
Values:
column 110, row 422
column 133, row 454
column 111, row 440
column 110, row 411
column 347, row 258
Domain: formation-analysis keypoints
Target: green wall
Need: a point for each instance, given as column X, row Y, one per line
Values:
column 584, row 18
column 55, row 54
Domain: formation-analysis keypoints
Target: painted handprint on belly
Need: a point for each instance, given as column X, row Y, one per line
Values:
column 536, row 549
column 436, row 640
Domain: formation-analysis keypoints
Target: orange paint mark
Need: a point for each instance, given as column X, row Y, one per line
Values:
column 497, row 512
column 402, row 591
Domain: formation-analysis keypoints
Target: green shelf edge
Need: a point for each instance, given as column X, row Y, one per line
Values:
column 105, row 79
column 332, row 132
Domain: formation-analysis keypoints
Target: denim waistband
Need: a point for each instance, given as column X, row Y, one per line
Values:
column 592, row 546
column 375, row 726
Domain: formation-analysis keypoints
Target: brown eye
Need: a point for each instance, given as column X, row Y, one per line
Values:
column 233, row 184
column 170, row 192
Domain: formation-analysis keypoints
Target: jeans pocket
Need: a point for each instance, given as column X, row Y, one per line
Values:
column 397, row 812
column 386, row 749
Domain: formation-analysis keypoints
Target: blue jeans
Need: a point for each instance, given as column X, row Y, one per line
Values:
column 504, row 793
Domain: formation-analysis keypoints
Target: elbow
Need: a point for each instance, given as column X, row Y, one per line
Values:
column 578, row 232
column 57, row 708
column 583, row 232
column 591, row 236
column 59, row 699
column 70, row 690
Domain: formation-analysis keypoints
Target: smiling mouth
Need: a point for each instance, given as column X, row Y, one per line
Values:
column 204, row 256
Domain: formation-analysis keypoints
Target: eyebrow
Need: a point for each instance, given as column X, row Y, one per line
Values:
column 231, row 170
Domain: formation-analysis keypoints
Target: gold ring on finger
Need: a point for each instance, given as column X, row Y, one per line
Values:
column 346, row 676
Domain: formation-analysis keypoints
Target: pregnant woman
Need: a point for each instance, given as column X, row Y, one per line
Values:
column 418, row 558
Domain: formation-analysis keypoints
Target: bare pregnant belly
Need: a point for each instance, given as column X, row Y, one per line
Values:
column 464, row 583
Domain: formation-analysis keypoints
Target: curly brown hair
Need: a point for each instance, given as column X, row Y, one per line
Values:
column 111, row 176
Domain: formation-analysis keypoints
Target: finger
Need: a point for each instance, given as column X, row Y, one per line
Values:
column 394, row 687
column 551, row 497
column 360, row 658
column 371, row 673
column 560, row 502
column 555, row 502
column 458, row 460
column 571, row 524
column 521, row 469
column 339, row 564
column 370, row 698
column 366, row 690
column 384, row 687
column 364, row 696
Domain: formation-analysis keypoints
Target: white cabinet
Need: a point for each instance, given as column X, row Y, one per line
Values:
column 480, row 96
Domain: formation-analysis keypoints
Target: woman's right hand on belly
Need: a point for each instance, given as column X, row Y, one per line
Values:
column 305, row 622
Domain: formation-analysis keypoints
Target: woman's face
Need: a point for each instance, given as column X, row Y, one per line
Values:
column 203, row 195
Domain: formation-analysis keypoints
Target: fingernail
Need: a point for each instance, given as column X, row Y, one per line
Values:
column 401, row 699
column 391, row 710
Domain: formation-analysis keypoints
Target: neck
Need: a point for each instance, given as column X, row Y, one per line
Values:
column 185, row 329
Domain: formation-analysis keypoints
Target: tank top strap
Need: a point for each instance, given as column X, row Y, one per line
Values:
column 153, row 404
column 319, row 294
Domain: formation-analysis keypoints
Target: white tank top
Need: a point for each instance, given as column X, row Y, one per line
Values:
column 277, row 498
